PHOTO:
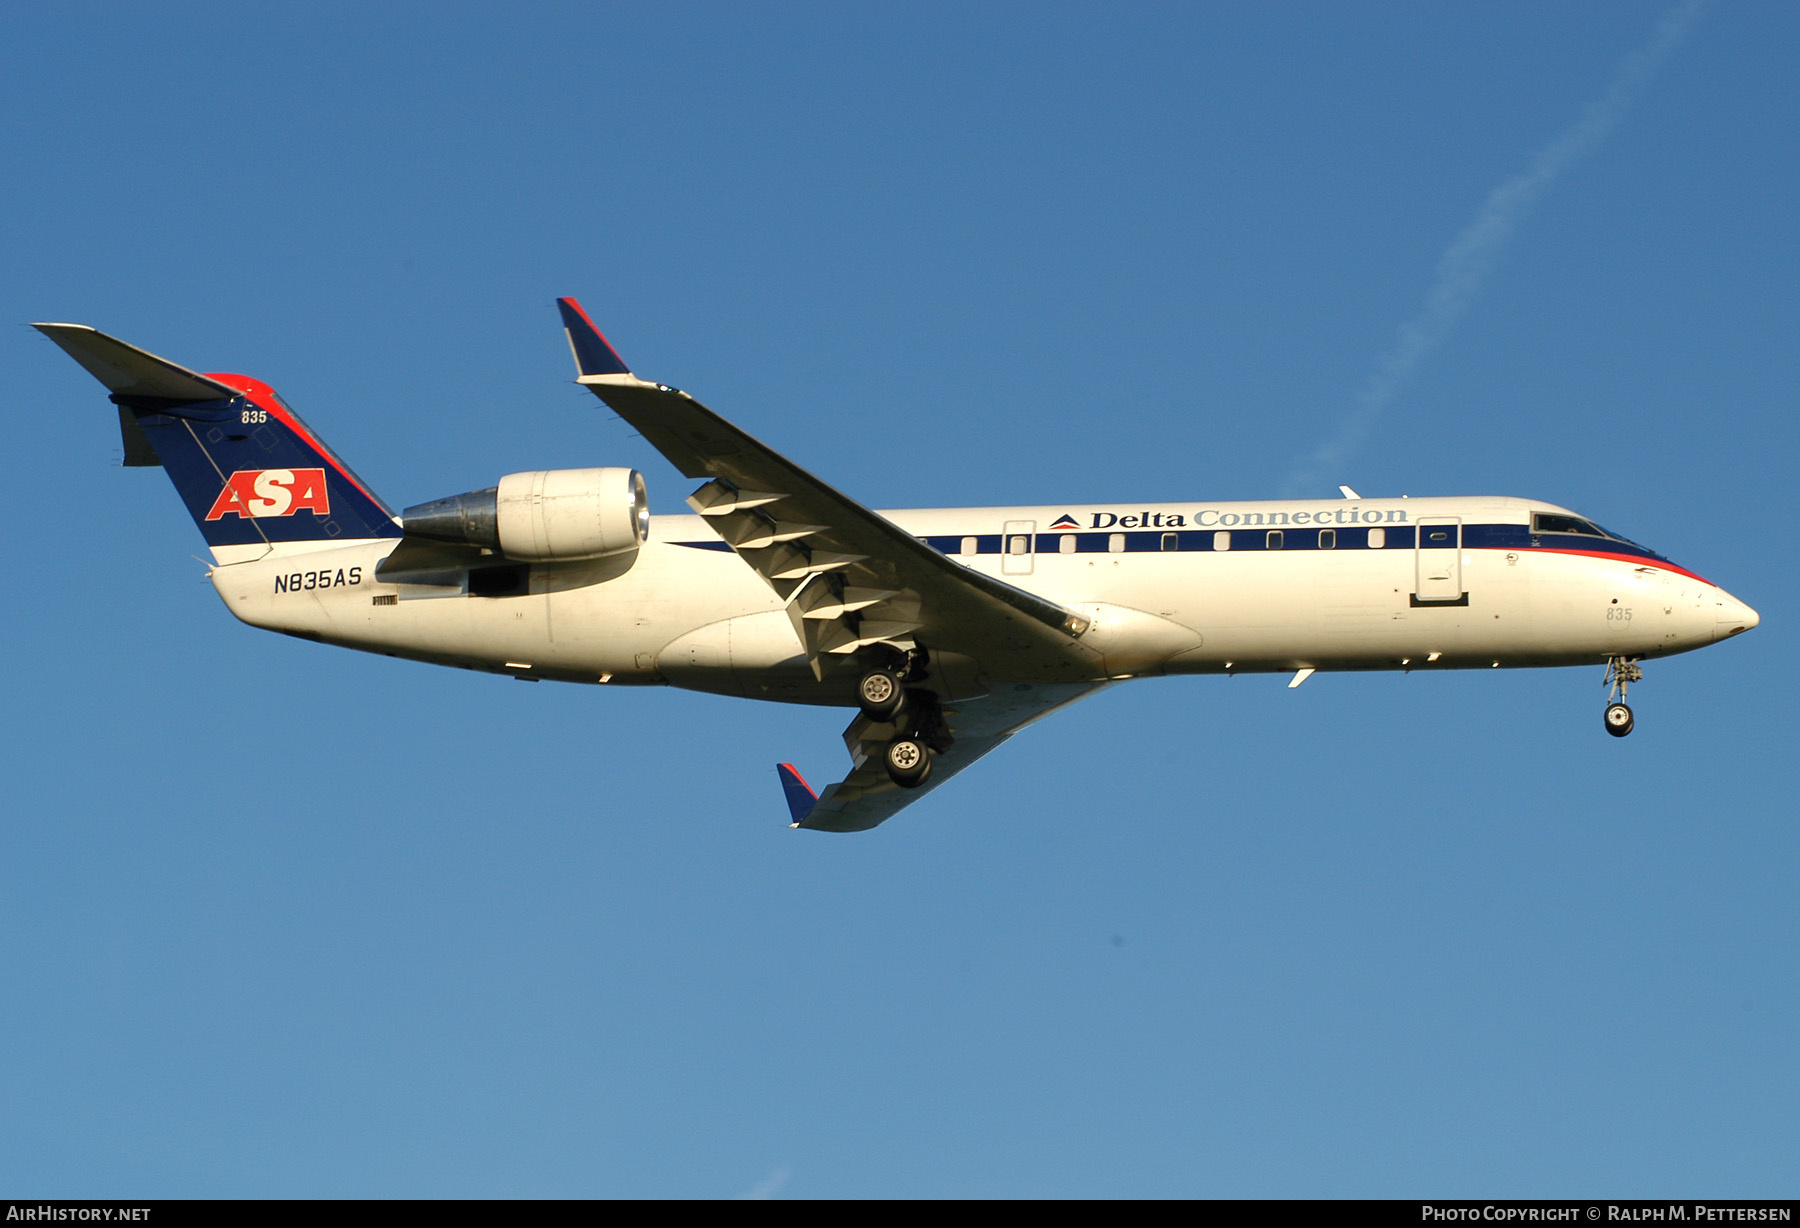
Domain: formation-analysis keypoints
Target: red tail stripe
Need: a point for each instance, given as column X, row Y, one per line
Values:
column 580, row 311
column 263, row 397
column 795, row 773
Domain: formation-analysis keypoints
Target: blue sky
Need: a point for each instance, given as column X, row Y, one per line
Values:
column 284, row 920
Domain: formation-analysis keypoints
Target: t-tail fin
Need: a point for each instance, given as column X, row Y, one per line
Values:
column 250, row 471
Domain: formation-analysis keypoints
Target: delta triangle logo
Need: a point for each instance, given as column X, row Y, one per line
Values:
column 1064, row 521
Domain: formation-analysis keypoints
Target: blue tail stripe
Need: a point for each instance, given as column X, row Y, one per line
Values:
column 247, row 476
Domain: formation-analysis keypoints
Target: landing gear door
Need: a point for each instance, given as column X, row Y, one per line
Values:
column 1016, row 546
column 1439, row 554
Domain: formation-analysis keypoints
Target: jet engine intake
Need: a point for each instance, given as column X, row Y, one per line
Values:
column 544, row 516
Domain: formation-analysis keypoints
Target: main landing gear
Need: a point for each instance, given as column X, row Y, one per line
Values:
column 883, row 696
column 908, row 762
column 1621, row 672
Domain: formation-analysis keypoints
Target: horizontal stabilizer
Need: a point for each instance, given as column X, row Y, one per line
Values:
column 129, row 371
column 593, row 356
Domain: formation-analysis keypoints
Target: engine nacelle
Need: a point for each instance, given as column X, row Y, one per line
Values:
column 544, row 516
column 571, row 513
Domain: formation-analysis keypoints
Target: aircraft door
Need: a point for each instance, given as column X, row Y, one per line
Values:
column 1017, row 544
column 1439, row 555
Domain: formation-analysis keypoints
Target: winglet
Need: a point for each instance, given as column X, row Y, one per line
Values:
column 800, row 797
column 593, row 356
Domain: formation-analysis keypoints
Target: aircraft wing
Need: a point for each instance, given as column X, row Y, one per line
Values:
column 851, row 577
column 867, row 796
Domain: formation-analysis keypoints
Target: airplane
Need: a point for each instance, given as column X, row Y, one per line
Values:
column 947, row 629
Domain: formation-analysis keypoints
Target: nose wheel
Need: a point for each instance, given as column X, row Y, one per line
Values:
column 1621, row 672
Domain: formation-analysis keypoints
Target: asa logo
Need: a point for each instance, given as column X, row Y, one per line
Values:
column 256, row 493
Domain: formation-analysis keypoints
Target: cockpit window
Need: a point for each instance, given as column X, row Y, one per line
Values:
column 1549, row 522
column 1553, row 522
column 1618, row 538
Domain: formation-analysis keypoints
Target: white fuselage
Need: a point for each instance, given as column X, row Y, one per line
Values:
column 1162, row 596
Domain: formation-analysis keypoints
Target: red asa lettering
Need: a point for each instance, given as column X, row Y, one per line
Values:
column 258, row 493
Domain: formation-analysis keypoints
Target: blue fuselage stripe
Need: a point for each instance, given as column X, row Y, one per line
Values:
column 1153, row 541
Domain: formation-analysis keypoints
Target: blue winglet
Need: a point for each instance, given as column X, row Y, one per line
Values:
column 800, row 797
column 593, row 356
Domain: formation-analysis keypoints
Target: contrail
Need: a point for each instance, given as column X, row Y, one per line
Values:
column 1466, row 262
column 768, row 1187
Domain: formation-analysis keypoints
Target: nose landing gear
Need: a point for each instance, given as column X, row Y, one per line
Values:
column 1621, row 672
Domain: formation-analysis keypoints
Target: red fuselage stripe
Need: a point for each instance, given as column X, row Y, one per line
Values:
column 1637, row 560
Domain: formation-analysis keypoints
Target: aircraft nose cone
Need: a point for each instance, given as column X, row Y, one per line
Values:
column 1734, row 617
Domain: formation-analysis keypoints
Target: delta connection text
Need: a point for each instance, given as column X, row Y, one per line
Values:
column 1210, row 517
column 1699, row 1213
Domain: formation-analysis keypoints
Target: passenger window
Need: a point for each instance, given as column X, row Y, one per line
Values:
column 1171, row 541
column 1115, row 544
column 970, row 546
column 1274, row 539
column 1440, row 537
column 1018, row 544
column 1328, row 539
column 1377, row 538
column 1067, row 544
column 1221, row 540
